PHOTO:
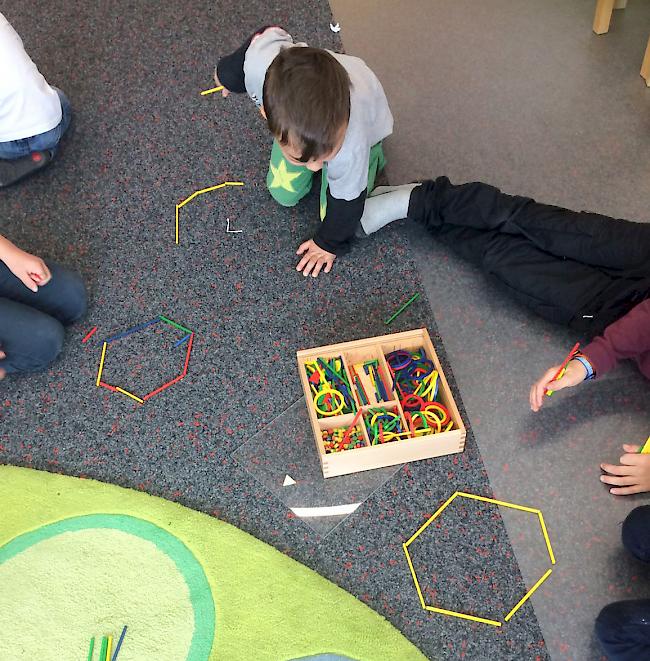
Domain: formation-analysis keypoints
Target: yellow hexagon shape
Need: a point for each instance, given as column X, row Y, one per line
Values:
column 466, row 616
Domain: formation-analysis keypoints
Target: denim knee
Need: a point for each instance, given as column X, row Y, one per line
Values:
column 74, row 297
column 41, row 348
column 636, row 532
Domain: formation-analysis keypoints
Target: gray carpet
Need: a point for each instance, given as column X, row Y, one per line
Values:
column 142, row 139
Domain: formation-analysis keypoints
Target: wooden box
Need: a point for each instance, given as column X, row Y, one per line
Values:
column 391, row 453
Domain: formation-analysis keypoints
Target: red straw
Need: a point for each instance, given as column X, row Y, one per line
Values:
column 351, row 427
column 89, row 335
column 563, row 365
column 189, row 351
column 165, row 385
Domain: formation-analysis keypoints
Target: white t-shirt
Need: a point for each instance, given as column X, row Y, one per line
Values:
column 28, row 105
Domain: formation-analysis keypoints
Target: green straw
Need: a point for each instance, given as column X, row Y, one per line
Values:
column 392, row 317
column 92, row 647
column 173, row 323
column 104, row 649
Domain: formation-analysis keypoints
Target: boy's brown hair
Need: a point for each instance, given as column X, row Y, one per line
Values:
column 307, row 100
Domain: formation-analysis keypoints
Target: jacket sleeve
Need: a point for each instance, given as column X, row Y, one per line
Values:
column 340, row 223
column 629, row 337
column 230, row 68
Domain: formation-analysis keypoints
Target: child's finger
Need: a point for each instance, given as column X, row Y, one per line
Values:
column 318, row 266
column 615, row 469
column 626, row 491
column 302, row 247
column 46, row 275
column 2, row 354
column 302, row 263
column 631, row 459
column 26, row 279
column 623, row 481
column 632, row 449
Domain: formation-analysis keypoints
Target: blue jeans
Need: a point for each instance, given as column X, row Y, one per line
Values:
column 43, row 141
column 31, row 324
column 623, row 627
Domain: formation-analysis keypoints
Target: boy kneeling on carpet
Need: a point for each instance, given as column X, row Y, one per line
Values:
column 36, row 302
column 327, row 112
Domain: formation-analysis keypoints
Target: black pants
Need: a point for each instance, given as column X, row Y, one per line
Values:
column 579, row 269
column 623, row 627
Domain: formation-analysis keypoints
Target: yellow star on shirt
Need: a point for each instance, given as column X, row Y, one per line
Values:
column 282, row 178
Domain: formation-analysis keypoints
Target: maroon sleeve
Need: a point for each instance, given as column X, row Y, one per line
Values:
column 629, row 337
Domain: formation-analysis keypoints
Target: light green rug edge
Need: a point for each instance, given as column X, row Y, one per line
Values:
column 266, row 603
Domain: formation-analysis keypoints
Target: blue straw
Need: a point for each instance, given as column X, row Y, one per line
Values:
column 131, row 330
column 119, row 644
column 183, row 339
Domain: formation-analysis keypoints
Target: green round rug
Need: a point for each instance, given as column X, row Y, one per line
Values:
column 81, row 559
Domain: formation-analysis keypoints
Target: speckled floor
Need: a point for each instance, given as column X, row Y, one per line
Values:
column 143, row 139
column 524, row 96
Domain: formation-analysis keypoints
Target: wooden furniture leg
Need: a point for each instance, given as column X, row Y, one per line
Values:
column 645, row 67
column 603, row 16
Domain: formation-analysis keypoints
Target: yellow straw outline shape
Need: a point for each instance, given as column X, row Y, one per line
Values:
column 200, row 192
column 465, row 616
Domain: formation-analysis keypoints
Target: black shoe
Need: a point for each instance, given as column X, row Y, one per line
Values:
column 12, row 171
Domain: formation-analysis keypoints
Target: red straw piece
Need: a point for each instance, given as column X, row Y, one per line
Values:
column 89, row 335
column 189, row 351
column 564, row 364
column 106, row 385
column 351, row 427
column 165, row 385
column 381, row 433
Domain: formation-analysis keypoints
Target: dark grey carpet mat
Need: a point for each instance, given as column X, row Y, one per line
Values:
column 142, row 139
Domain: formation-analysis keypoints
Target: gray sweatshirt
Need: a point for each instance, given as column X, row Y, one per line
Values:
column 370, row 122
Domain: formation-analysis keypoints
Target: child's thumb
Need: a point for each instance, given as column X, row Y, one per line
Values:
column 28, row 282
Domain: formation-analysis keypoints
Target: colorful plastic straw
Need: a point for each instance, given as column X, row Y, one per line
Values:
column 560, row 372
column 212, row 91
column 396, row 314
column 119, row 644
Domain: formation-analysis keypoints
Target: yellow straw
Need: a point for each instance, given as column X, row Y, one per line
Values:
column 101, row 365
column 212, row 91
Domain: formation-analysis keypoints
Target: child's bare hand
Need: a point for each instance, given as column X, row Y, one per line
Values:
column 575, row 373
column 314, row 259
column 2, row 372
column 631, row 476
column 29, row 269
column 218, row 83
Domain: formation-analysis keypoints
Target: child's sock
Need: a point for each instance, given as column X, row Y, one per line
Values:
column 385, row 204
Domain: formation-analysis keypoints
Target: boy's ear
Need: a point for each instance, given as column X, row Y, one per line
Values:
column 262, row 111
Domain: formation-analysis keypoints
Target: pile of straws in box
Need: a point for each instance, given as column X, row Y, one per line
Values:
column 330, row 386
column 416, row 381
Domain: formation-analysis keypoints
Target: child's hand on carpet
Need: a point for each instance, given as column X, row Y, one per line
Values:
column 631, row 476
column 29, row 269
column 314, row 259
column 2, row 372
column 575, row 374
column 224, row 92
